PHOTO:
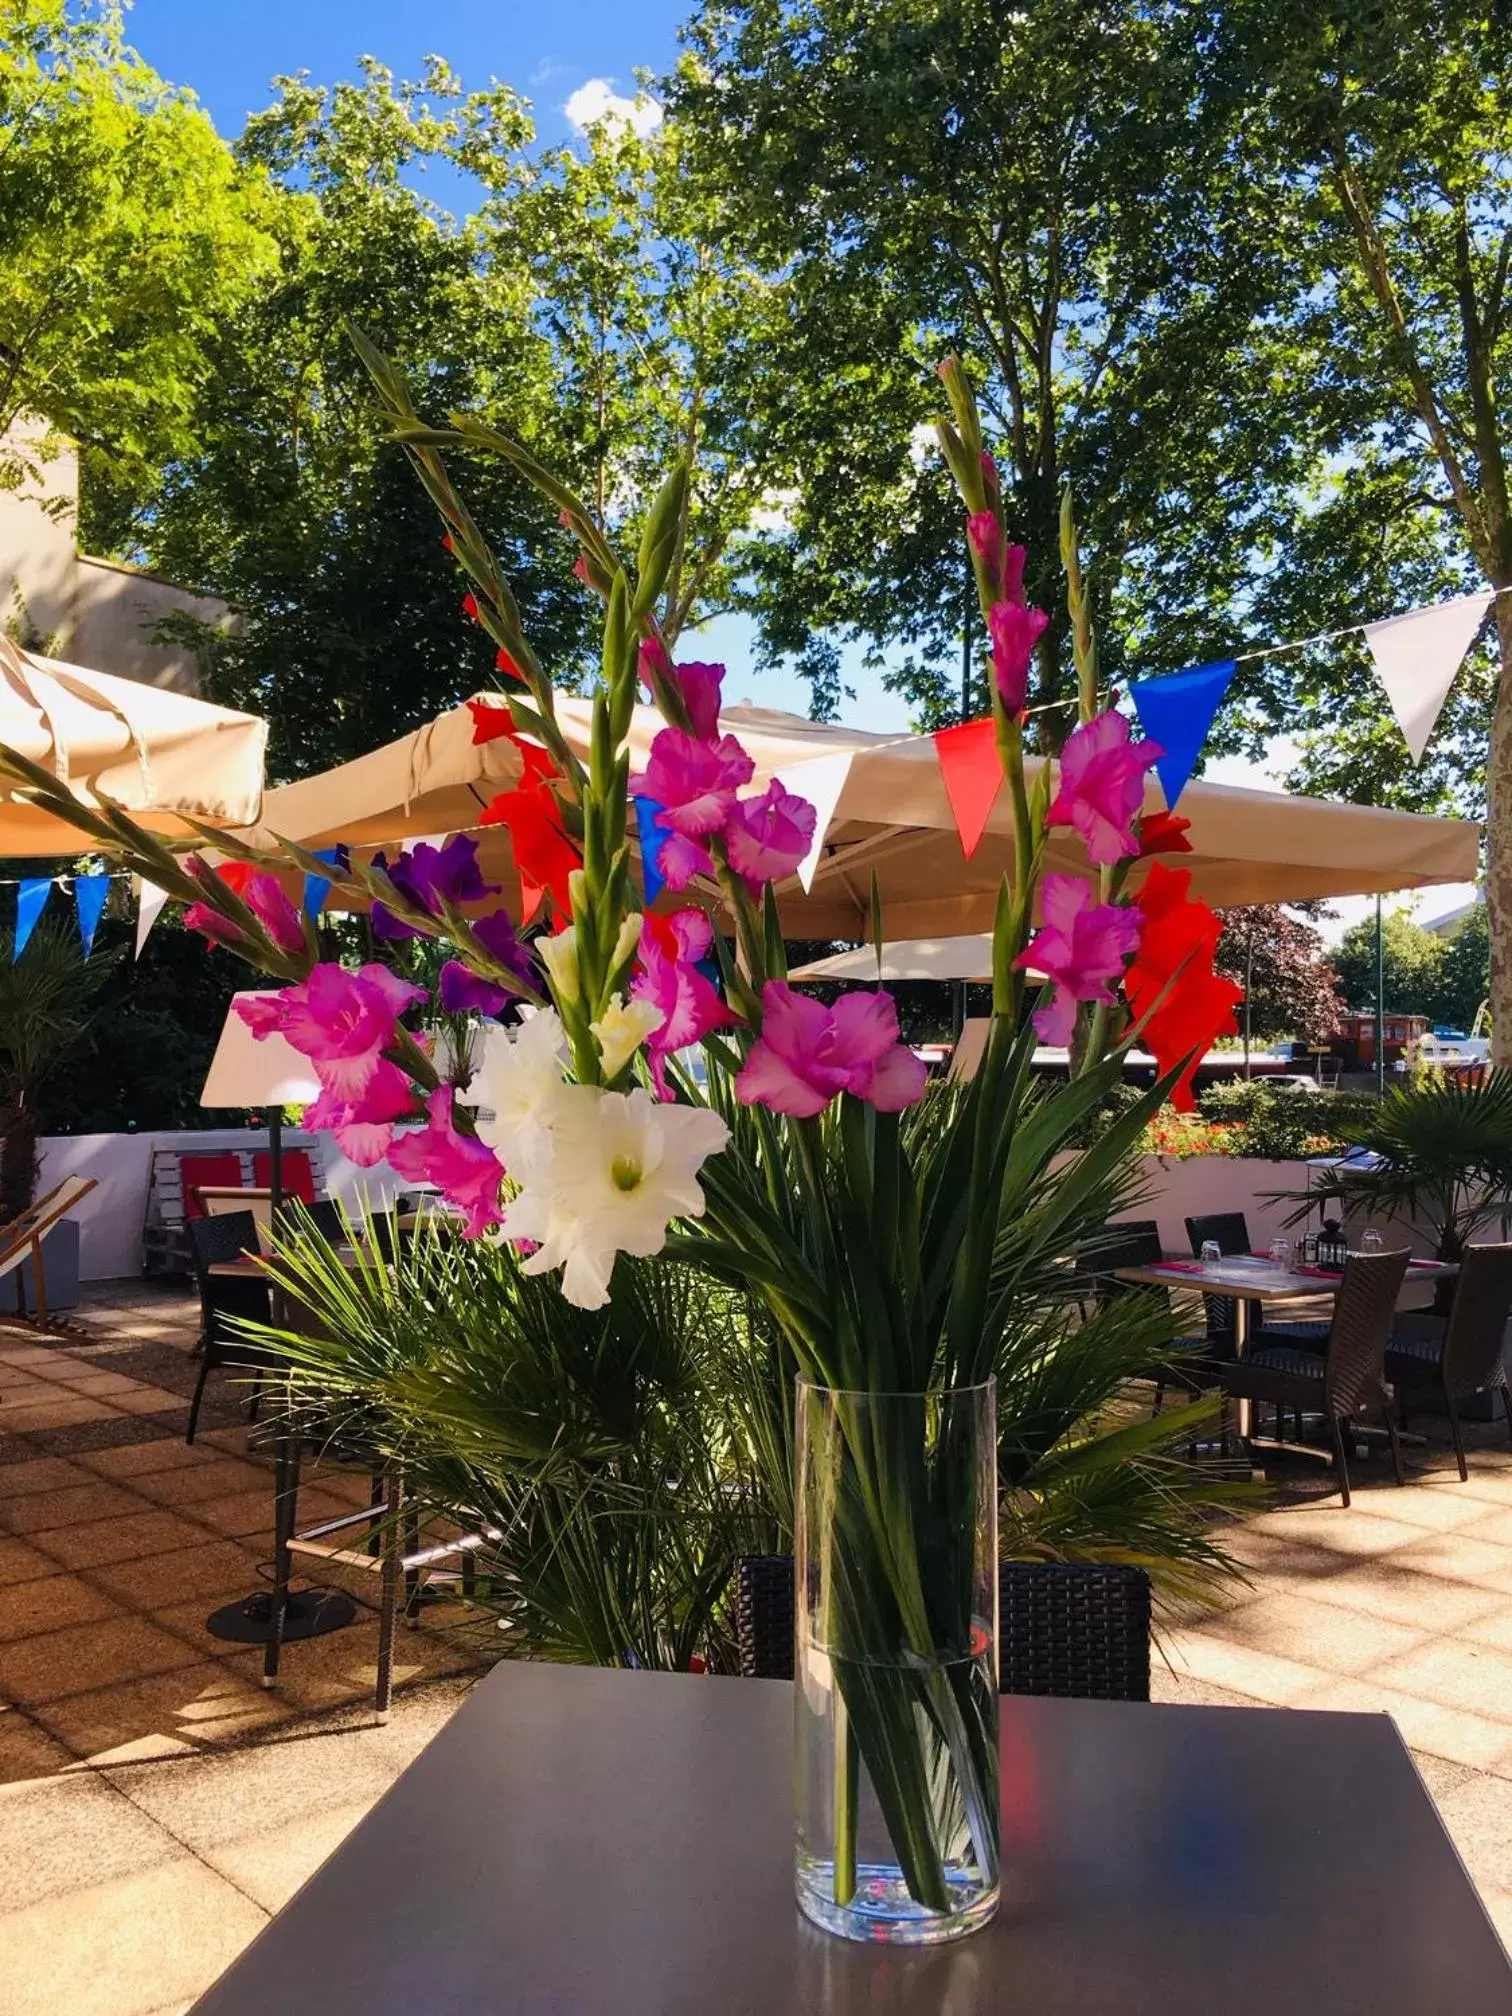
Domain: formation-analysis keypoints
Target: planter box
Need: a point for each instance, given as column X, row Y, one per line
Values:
column 60, row 1265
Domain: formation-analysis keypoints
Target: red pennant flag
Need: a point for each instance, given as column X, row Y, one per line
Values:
column 969, row 764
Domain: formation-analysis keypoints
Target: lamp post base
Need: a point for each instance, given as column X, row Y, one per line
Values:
column 308, row 1613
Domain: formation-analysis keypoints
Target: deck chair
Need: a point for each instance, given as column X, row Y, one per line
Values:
column 21, row 1240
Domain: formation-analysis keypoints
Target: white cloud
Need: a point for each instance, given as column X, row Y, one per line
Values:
column 597, row 100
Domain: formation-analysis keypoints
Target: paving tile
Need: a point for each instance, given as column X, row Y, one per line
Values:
column 83, row 1436
column 342, row 1669
column 47, row 1473
column 29, row 1609
column 270, row 1864
column 27, row 1753
column 22, row 1563
column 83, row 1656
column 97, row 1380
column 1437, row 1509
column 64, row 1834
column 1458, row 1673
column 124, row 1539
column 1478, row 1815
column 1262, row 1676
column 1387, row 1589
column 243, row 1512
column 224, row 1478
column 209, row 1802
column 161, row 1452
column 121, row 1947
column 1462, row 1737
column 42, row 1511
column 156, row 1581
column 197, row 1705
column 62, row 1411
column 25, row 1390
column 1318, row 1634
column 147, row 1400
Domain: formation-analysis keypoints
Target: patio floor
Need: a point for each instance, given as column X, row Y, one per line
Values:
column 157, row 1804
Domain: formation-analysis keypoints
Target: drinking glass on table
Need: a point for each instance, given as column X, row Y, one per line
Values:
column 1280, row 1255
column 1370, row 1240
column 1211, row 1254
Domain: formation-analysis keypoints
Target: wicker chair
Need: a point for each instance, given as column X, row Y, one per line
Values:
column 1135, row 1242
column 1468, row 1357
column 1349, row 1376
column 230, row 1235
column 1229, row 1231
column 1073, row 1629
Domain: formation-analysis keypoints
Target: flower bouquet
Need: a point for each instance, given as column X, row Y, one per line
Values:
column 795, row 1166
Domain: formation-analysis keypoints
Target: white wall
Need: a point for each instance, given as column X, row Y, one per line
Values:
column 110, row 1217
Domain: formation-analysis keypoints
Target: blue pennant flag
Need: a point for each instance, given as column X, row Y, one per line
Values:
column 652, row 840
column 90, row 892
column 1177, row 712
column 31, row 897
column 316, row 887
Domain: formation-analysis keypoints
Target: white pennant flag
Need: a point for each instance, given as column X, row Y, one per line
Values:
column 150, row 901
column 821, row 782
column 1417, row 656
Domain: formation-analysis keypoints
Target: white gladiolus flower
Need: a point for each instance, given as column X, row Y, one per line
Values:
column 518, row 1088
column 559, row 956
column 621, row 1167
column 622, row 1029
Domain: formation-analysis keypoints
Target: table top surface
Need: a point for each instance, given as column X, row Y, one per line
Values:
column 581, row 1841
column 1260, row 1280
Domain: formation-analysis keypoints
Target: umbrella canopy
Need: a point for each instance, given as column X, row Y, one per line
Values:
column 891, row 817
column 156, row 752
column 968, row 958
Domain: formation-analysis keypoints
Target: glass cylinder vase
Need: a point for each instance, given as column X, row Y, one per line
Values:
column 896, row 1662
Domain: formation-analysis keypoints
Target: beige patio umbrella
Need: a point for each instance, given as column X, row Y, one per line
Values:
column 156, row 752
column 967, row 958
column 890, row 815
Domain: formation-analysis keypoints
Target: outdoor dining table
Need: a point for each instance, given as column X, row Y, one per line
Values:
column 1245, row 1279
column 600, row 1842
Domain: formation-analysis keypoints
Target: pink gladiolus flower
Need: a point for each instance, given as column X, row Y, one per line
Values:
column 808, row 1053
column 1102, row 786
column 681, row 859
column 694, row 782
column 669, row 979
column 985, row 537
column 1082, row 945
column 210, row 924
column 271, row 907
column 466, row 1172
column 1015, row 631
column 699, row 686
column 768, row 836
column 363, row 1127
column 341, row 1021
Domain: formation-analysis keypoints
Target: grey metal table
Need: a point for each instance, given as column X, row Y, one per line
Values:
column 582, row 1842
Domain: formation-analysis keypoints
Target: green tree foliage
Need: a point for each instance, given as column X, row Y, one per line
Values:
column 295, row 508
column 49, row 1003
column 1290, row 989
column 127, row 234
column 1445, row 979
column 1032, row 186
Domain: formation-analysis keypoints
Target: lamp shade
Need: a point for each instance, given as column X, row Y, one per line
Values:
column 248, row 1070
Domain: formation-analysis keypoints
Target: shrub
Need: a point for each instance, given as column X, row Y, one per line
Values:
column 1281, row 1123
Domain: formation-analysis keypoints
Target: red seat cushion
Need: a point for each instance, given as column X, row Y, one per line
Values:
column 218, row 1172
column 298, row 1174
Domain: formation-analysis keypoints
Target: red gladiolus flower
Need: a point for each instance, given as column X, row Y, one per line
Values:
column 446, row 541
column 504, row 663
column 1174, row 969
column 544, row 856
column 493, row 724
column 470, row 607
column 236, row 875
column 1163, row 833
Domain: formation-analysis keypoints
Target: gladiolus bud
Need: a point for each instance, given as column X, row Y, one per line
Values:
column 628, row 941
column 470, row 608
column 559, row 955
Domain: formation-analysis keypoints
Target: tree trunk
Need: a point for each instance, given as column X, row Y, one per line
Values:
column 1499, row 841
column 18, row 1158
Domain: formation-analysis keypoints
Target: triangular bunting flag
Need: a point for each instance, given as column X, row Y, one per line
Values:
column 652, row 840
column 973, row 774
column 1177, row 711
column 150, row 901
column 1417, row 656
column 90, row 892
column 31, row 900
column 318, row 887
column 821, row 783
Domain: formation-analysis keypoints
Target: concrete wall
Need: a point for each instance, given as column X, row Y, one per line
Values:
column 1179, row 1190
column 110, row 1217
column 89, row 612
